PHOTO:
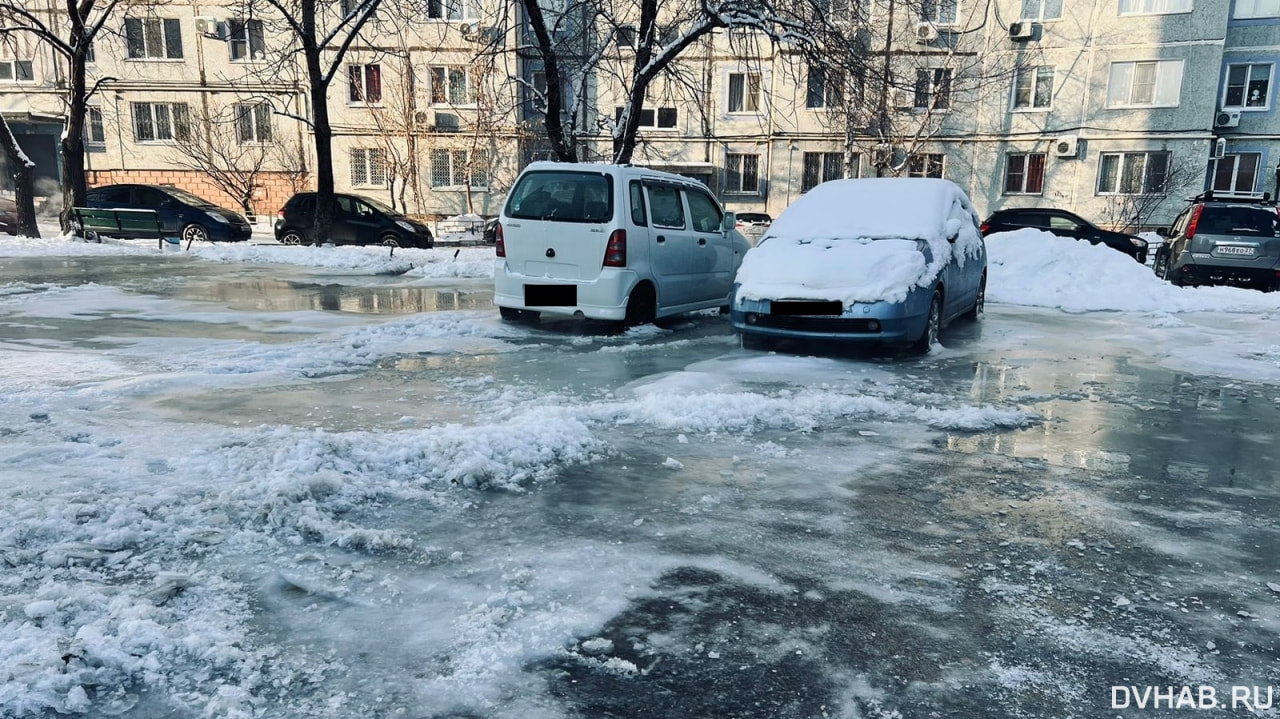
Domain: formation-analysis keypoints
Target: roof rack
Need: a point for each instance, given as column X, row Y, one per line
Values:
column 1257, row 198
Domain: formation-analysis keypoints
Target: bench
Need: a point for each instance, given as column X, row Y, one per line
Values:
column 91, row 224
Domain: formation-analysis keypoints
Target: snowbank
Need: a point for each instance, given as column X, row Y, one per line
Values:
column 1032, row 267
column 846, row 270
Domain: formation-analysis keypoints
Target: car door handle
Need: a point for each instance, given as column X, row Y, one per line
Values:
column 661, row 239
column 702, row 241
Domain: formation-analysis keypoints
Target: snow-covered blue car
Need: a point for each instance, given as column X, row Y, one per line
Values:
column 878, row 260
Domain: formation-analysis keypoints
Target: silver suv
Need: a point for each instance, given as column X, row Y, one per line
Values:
column 1223, row 240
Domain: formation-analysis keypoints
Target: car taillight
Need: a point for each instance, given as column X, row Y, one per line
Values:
column 615, row 254
column 1195, row 220
column 499, row 246
column 984, row 227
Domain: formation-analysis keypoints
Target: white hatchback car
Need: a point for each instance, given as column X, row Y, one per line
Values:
column 612, row 242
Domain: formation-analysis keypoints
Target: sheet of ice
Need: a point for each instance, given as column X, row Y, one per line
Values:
column 1033, row 267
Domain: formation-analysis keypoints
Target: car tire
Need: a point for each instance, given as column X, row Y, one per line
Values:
column 979, row 302
column 756, row 342
column 194, row 233
column 511, row 314
column 389, row 240
column 1161, row 265
column 642, row 306
column 292, row 237
column 932, row 324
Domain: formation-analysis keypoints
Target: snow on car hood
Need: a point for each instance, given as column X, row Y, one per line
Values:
column 863, row 270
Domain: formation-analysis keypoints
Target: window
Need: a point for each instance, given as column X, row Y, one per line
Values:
column 626, row 36
column 1248, row 86
column 94, row 132
column 161, row 121
column 703, row 212
column 153, row 38
column 744, row 92
column 1154, row 7
column 1237, row 173
column 637, row 204
column 940, row 12
column 1153, row 83
column 368, row 167
column 664, row 117
column 457, row 168
column 453, row 9
column 1024, row 174
column 664, row 204
column 253, row 123
column 742, row 173
column 365, row 82
column 925, row 165
column 17, row 71
column 823, row 90
column 246, row 40
column 1133, row 173
column 1041, row 10
column 1033, row 88
column 1257, row 8
column 933, row 88
column 832, row 10
column 820, row 167
column 450, row 86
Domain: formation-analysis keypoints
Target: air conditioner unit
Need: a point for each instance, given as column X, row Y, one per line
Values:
column 1066, row 146
column 1021, row 30
column 1227, row 118
column 903, row 98
column 882, row 155
column 926, row 32
column 487, row 34
column 447, row 122
column 422, row 117
column 207, row 25
column 1219, row 149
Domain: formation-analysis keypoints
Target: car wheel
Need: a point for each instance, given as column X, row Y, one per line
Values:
column 195, row 233
column 292, row 237
column 979, row 302
column 756, row 342
column 511, row 314
column 642, row 306
column 389, row 240
column 931, row 325
column 1161, row 265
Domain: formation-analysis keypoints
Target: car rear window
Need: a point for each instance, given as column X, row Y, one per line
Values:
column 562, row 196
column 1246, row 221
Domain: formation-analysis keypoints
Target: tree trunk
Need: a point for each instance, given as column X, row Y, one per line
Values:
column 323, row 226
column 554, row 116
column 23, row 181
column 74, row 187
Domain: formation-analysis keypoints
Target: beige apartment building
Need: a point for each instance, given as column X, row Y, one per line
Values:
column 1112, row 108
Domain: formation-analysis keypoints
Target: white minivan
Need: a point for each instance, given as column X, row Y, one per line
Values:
column 612, row 242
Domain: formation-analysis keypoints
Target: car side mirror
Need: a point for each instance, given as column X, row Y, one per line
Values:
column 730, row 221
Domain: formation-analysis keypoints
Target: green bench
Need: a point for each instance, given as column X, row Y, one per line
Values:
column 92, row 224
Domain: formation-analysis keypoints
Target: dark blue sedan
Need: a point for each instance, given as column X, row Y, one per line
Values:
column 181, row 213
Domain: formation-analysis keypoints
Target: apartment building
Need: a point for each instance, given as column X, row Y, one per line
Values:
column 1105, row 107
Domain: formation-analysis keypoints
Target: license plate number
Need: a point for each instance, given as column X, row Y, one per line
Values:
column 1230, row 250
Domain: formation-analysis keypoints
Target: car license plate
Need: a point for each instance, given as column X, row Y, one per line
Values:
column 1234, row 250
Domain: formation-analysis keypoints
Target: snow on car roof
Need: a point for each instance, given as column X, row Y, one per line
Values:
column 879, row 207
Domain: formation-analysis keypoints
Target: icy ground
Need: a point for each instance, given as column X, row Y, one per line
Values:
column 310, row 482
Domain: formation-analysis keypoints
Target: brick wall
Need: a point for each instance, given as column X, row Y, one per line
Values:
column 274, row 188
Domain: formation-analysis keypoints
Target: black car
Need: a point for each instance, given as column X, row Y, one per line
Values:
column 1065, row 224
column 180, row 212
column 8, row 216
column 356, row 221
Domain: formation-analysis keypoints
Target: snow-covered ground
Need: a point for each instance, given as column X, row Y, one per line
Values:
column 221, row 509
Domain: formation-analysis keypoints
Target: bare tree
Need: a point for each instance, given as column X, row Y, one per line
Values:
column 1144, row 191
column 233, row 148
column 23, row 180
column 69, row 32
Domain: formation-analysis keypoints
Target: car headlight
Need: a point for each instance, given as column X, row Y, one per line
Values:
column 218, row 218
column 406, row 226
column 1138, row 242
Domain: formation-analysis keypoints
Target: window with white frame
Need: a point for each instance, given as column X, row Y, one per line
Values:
column 940, row 12
column 1040, row 10
column 450, row 85
column 1133, row 173
column 1033, row 88
column 927, row 164
column 364, row 84
column 933, row 88
column 1151, row 83
column 253, row 122
column 94, row 131
column 153, row 38
column 161, row 121
column 17, row 71
column 1248, row 86
column 454, row 168
column 1257, row 8
column 742, row 173
column 824, row 89
column 1237, row 173
column 663, row 117
column 457, row 9
column 1024, row 173
column 819, row 167
column 832, row 10
column 368, row 167
column 246, row 40
column 1154, row 7
column 744, row 91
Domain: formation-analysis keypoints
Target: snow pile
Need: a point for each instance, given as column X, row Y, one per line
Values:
column 67, row 246
column 856, row 241
column 1033, row 267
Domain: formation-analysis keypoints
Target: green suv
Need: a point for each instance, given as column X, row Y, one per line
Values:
column 1223, row 240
